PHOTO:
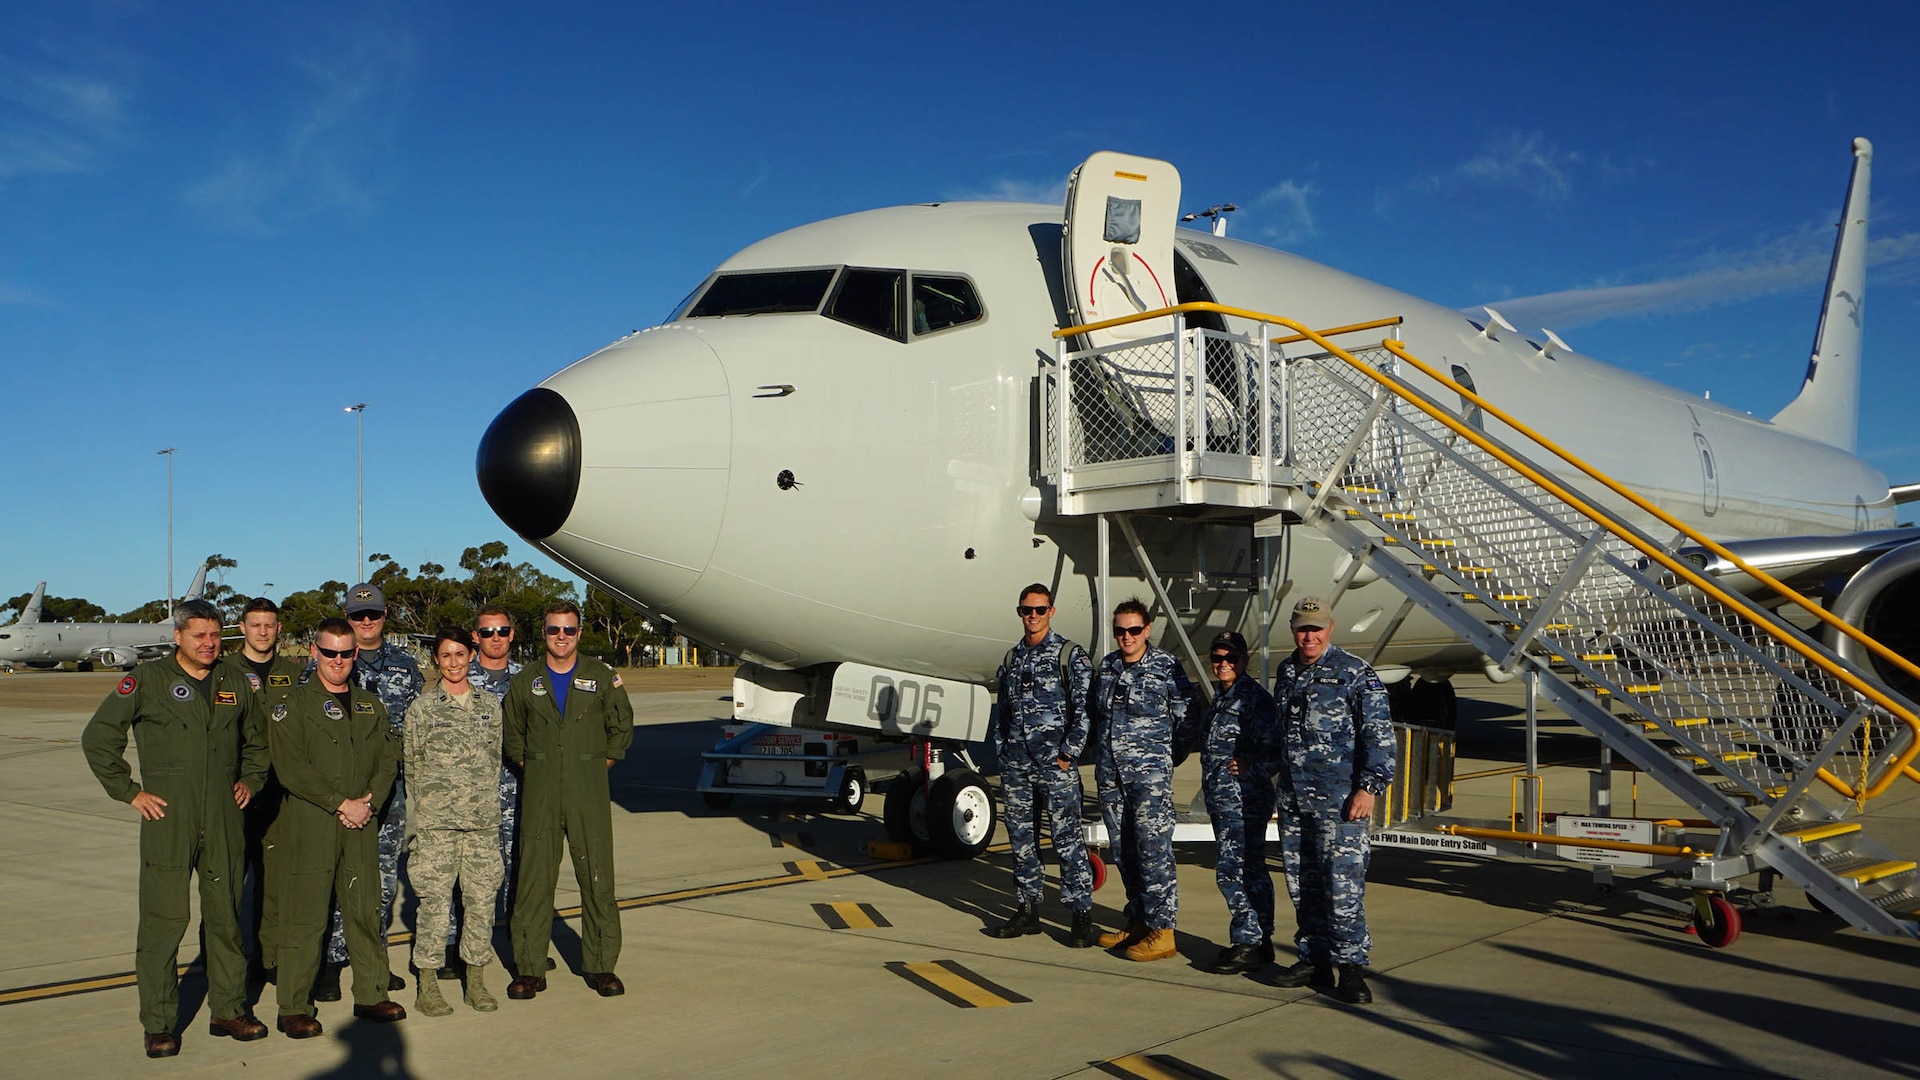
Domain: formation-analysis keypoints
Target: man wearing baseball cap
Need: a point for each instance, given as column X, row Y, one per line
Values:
column 1335, row 755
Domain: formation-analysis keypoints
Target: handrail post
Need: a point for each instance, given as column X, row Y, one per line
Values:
column 1263, row 371
column 1062, row 426
column 1180, row 404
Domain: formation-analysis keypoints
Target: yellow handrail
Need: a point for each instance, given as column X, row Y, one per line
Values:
column 1686, row 572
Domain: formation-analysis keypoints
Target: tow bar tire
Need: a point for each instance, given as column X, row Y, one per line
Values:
column 906, row 810
column 853, row 792
column 1724, row 927
column 960, row 814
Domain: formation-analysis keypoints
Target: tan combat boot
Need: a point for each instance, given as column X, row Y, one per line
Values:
column 477, row 995
column 1114, row 939
column 1156, row 945
column 428, row 1000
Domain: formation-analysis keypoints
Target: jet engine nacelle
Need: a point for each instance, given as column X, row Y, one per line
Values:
column 1882, row 599
column 114, row 657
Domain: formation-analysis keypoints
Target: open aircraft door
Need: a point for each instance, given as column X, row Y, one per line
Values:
column 1117, row 248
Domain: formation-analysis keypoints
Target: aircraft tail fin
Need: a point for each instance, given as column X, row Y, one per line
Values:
column 199, row 586
column 1828, row 408
column 31, row 613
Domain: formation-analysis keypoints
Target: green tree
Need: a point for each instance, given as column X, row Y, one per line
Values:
column 613, row 631
column 301, row 612
column 58, row 608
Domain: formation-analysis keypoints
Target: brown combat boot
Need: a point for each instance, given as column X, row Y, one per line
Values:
column 1114, row 939
column 1156, row 945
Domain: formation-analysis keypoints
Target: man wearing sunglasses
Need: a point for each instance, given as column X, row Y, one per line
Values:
column 1335, row 757
column 493, row 670
column 1236, row 737
column 1041, row 731
column 335, row 754
column 1140, row 696
column 392, row 675
column 568, row 720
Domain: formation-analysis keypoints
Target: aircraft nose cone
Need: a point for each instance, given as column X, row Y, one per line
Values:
column 529, row 463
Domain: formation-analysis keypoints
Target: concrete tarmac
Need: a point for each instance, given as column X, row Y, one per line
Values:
column 1482, row 966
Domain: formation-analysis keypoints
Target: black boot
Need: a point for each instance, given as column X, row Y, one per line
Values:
column 1083, row 936
column 326, row 985
column 1304, row 973
column 1266, row 950
column 1024, row 920
column 395, row 982
column 1236, row 959
column 1353, row 985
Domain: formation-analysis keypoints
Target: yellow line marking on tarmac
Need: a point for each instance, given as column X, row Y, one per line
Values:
column 848, row 915
column 956, row 985
column 794, row 876
column 1155, row 1067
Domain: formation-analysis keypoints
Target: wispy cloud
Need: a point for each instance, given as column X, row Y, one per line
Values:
column 1527, row 163
column 14, row 295
column 327, row 153
column 1284, row 212
column 60, row 118
column 1052, row 191
column 1787, row 264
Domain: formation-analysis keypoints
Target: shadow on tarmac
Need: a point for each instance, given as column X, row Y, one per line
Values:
column 372, row 1050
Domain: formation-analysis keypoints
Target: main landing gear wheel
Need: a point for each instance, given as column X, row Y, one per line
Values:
column 960, row 814
column 1716, row 921
column 853, row 792
column 906, row 810
column 1099, row 869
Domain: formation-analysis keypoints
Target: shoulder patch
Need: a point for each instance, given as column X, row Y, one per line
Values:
column 361, row 707
column 226, row 697
column 1374, row 683
column 126, row 686
column 279, row 680
column 253, row 680
column 589, row 685
column 616, row 680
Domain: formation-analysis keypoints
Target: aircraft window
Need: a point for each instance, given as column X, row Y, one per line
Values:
column 943, row 302
column 763, row 292
column 870, row 300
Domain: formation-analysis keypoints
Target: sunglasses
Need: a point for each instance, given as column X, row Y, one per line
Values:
column 1128, row 631
column 493, row 631
column 1223, row 658
column 567, row 630
column 336, row 654
column 368, row 616
column 1030, row 609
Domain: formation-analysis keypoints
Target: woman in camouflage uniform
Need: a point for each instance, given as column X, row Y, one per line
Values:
column 453, row 768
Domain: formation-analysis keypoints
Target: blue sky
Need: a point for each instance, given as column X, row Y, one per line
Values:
column 222, row 222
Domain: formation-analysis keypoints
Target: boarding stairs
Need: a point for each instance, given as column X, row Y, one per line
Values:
column 1767, row 732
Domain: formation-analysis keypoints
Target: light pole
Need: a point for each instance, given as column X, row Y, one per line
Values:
column 168, row 454
column 360, row 468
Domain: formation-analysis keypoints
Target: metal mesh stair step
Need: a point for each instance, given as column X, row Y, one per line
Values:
column 1700, row 761
column 1819, row 830
column 1901, row 904
column 1863, row 869
column 1733, row 788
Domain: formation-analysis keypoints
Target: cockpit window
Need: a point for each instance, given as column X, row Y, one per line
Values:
column 763, row 293
column 870, row 300
column 940, row 303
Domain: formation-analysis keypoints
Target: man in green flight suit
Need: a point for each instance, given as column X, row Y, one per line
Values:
column 272, row 676
column 335, row 756
column 567, row 721
column 202, row 759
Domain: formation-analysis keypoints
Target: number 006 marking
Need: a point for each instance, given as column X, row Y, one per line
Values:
column 907, row 704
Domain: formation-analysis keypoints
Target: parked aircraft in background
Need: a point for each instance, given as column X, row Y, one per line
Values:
column 829, row 452
column 28, row 641
column 31, row 612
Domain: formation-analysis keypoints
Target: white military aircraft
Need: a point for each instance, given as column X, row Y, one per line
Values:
column 828, row 459
column 38, row 644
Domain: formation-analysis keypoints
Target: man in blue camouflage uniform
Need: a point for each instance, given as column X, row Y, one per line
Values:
column 383, row 668
column 1236, row 736
column 1041, row 732
column 1336, row 758
column 1140, row 696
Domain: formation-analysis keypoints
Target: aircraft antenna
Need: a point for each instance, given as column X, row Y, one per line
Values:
column 1217, row 213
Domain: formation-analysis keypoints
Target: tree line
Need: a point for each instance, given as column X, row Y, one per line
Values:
column 419, row 601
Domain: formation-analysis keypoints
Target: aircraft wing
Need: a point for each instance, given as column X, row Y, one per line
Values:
column 1800, row 562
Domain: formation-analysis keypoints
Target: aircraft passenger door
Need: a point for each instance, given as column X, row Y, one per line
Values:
column 1709, row 475
column 1117, row 248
